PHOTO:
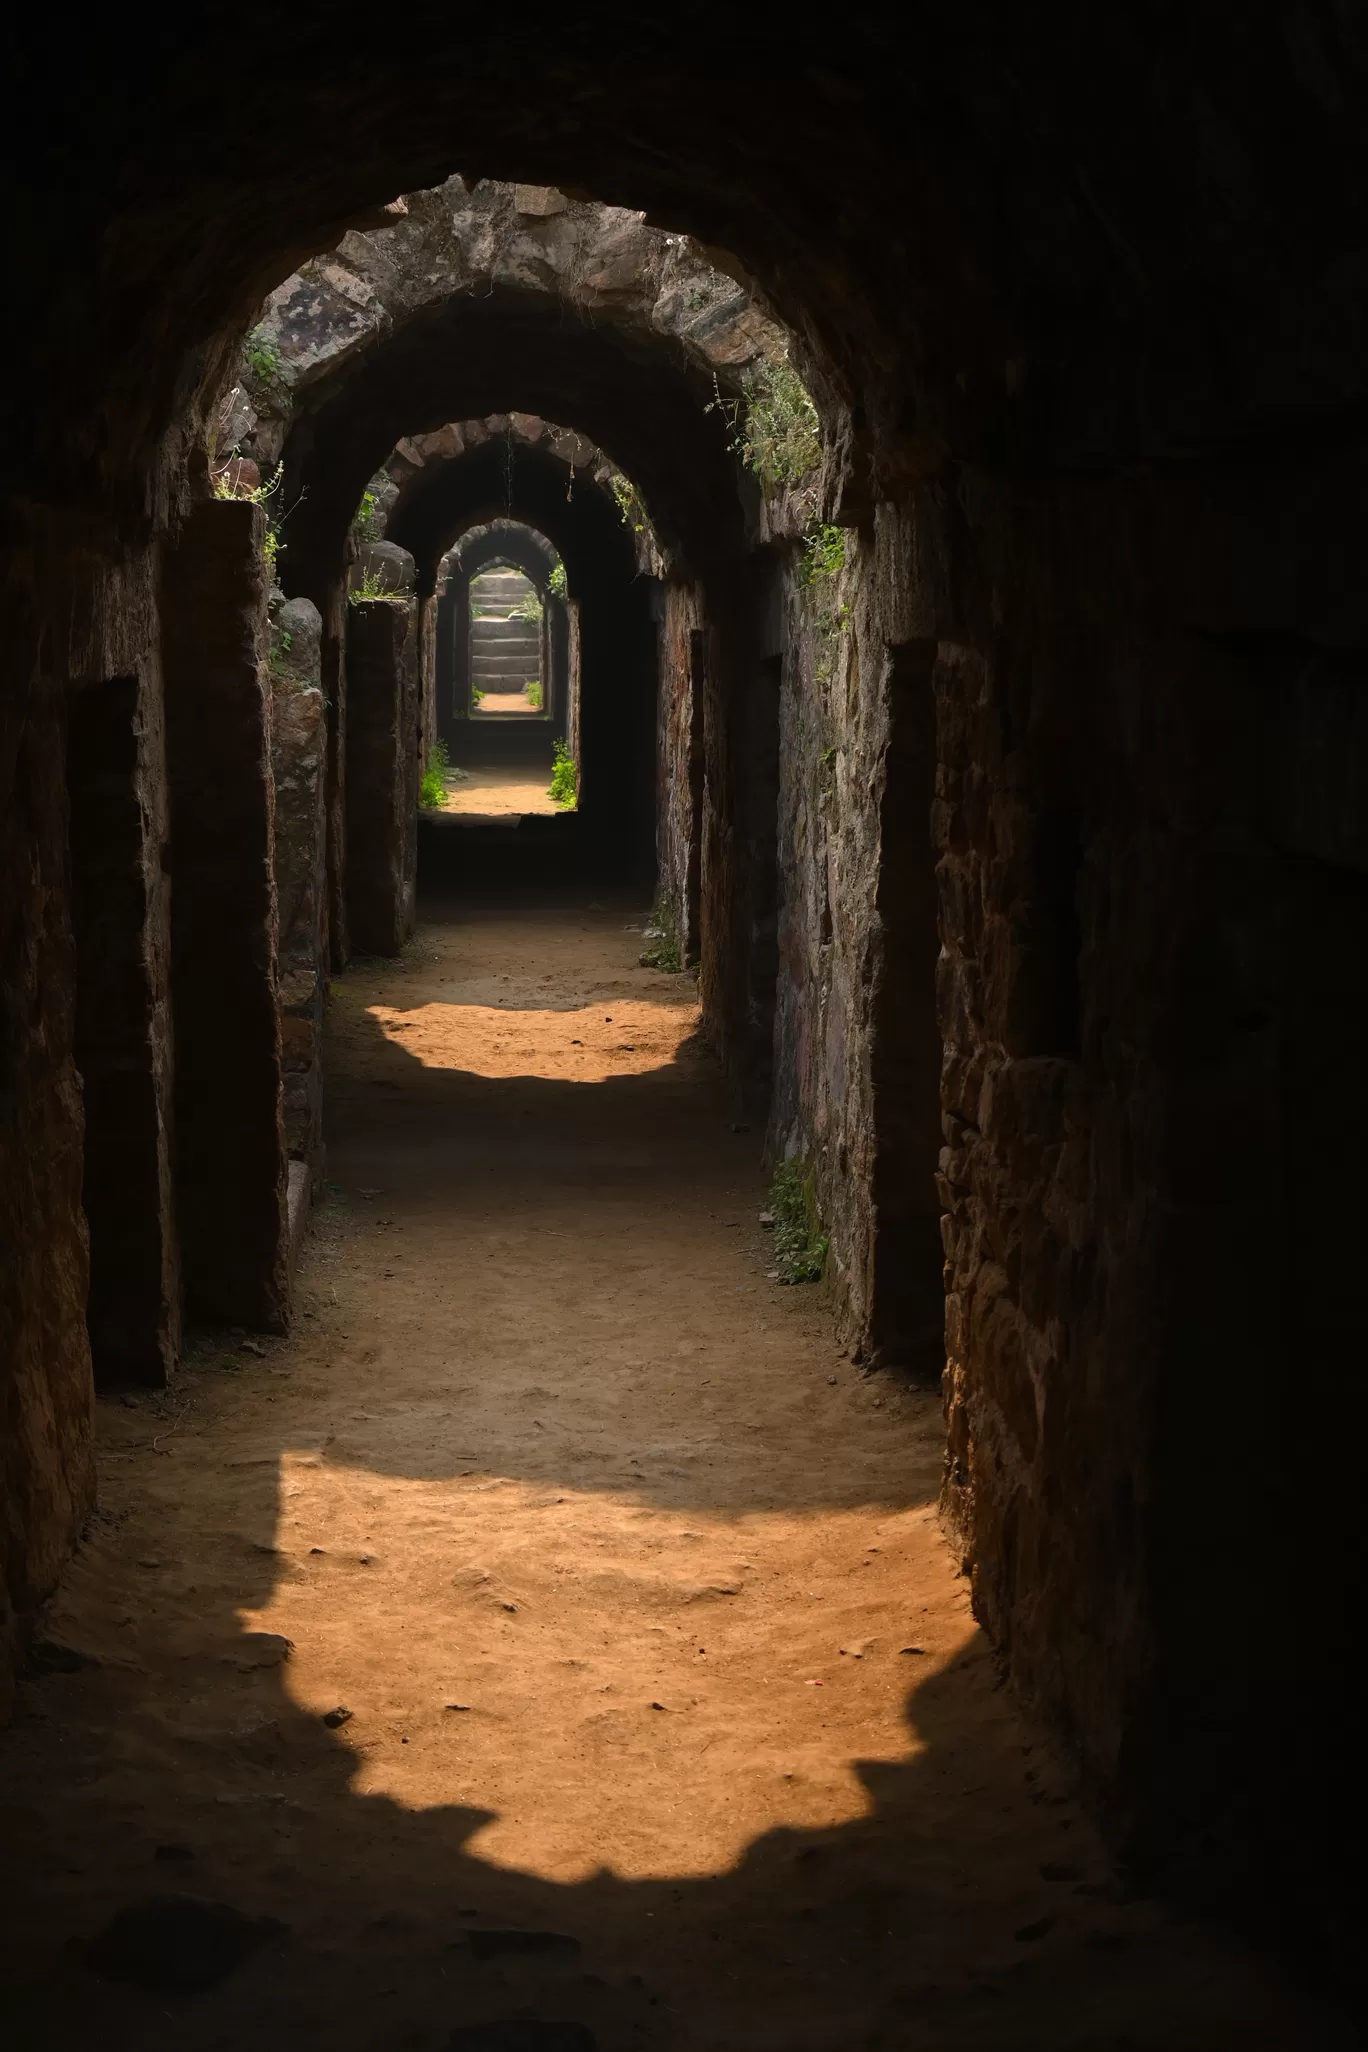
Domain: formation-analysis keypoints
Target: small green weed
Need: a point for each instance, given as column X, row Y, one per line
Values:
column 534, row 692
column 278, row 660
column 432, row 791
column 555, row 583
column 824, row 554
column 373, row 586
column 800, row 1246
column 529, row 608
column 564, row 777
column 664, row 949
column 368, row 522
column 774, row 429
column 629, row 503
column 263, row 357
column 227, row 487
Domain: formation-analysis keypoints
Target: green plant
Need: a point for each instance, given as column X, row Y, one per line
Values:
column 227, row 484
column 824, row 554
column 665, row 950
column 800, row 1245
column 368, row 522
column 773, row 427
column 819, row 570
column 432, row 790
column 281, row 643
column 629, row 503
column 564, row 776
column 555, row 583
column 373, row 586
column 783, row 432
column 476, row 695
column 263, row 357
column 529, row 608
column 533, row 689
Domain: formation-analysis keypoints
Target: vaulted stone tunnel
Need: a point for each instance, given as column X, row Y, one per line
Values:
column 1026, row 881
column 616, row 654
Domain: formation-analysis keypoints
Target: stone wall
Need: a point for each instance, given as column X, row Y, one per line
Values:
column 120, row 912
column 742, row 663
column 229, row 1120
column 603, row 264
column 1133, row 921
column 382, row 772
column 47, row 1469
column 857, row 1056
column 299, row 755
column 680, row 766
column 1091, row 370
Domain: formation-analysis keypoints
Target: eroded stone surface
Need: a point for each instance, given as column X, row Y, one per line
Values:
column 230, row 1145
column 299, row 773
column 382, row 773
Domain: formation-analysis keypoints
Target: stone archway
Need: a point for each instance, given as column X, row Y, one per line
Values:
column 1108, row 499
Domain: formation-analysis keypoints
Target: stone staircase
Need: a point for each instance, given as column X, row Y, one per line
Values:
column 504, row 653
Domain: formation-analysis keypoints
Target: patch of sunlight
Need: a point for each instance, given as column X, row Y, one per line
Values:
column 603, row 1683
column 584, row 1046
column 497, row 793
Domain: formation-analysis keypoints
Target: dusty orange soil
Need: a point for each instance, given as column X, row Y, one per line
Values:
column 501, row 790
column 632, row 1587
column 506, row 702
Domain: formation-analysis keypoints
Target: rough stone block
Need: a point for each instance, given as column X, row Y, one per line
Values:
column 120, row 920
column 299, row 748
column 538, row 200
column 230, row 1140
column 382, row 773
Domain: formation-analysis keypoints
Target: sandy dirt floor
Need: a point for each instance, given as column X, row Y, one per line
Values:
column 507, row 702
column 557, row 1626
column 498, row 791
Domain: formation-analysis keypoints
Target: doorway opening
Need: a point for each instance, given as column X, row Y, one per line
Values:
column 506, row 672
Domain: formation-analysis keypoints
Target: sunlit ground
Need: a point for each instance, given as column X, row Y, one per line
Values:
column 621, row 1686
column 500, row 791
column 624, row 1037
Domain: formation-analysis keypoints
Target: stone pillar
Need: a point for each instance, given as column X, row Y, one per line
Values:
column 572, row 687
column 47, row 1467
column 333, row 682
column 450, row 702
column 557, row 667
column 743, row 673
column 299, row 747
column 679, row 768
column 120, row 914
column 427, row 677
column 758, row 816
column 382, row 773
column 906, row 1286
column 230, row 1138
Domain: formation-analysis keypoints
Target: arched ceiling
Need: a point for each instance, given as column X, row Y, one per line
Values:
column 482, row 544
column 1026, row 236
column 470, row 357
column 449, row 498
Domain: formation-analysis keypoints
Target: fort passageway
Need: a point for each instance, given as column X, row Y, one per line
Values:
column 558, row 1625
column 683, row 955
